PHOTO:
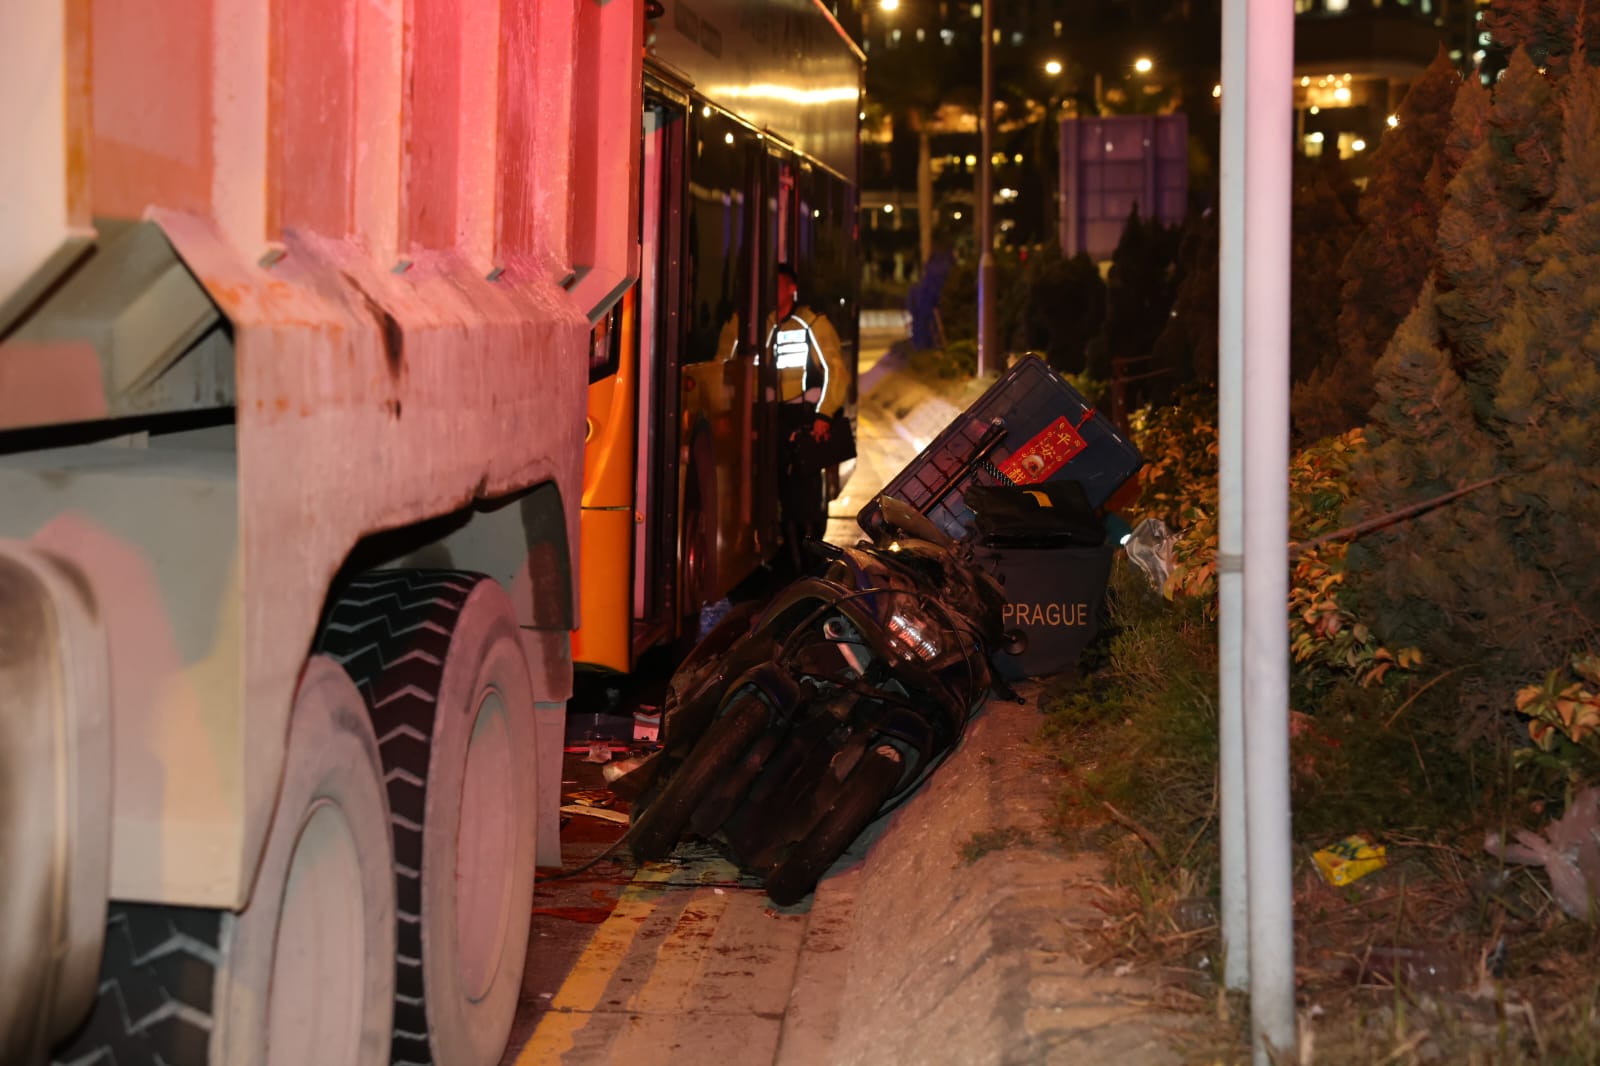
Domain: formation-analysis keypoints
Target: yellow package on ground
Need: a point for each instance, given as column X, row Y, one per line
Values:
column 1352, row 858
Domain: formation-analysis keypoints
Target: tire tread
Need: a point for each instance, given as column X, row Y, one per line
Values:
column 157, row 983
column 391, row 631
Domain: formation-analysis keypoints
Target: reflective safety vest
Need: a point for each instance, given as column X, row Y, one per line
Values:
column 805, row 350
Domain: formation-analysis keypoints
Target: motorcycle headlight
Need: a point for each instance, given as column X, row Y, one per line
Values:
column 913, row 633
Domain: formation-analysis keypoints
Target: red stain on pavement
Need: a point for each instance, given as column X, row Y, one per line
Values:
column 587, row 915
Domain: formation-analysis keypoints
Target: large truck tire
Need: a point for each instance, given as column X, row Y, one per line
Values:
column 438, row 655
column 55, row 800
column 302, row 974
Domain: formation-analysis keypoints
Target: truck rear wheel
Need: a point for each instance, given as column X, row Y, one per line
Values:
column 296, row 976
column 438, row 655
column 55, row 799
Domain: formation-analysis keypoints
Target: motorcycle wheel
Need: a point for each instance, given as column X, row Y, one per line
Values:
column 659, row 828
column 864, row 791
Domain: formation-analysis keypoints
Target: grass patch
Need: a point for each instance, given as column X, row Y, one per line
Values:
column 980, row 844
column 1507, row 978
column 957, row 359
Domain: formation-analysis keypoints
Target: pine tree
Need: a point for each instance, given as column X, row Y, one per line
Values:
column 1497, row 374
column 1547, row 401
column 1426, row 582
column 1140, row 287
column 1390, row 258
column 1550, row 31
column 1324, row 227
column 1497, row 205
column 1057, row 308
column 1186, row 351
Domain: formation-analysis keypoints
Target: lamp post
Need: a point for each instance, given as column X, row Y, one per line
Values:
column 1049, row 152
column 988, row 357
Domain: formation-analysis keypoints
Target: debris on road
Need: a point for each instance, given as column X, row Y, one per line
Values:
column 1350, row 859
column 595, row 812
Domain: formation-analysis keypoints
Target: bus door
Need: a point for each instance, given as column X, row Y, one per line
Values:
column 776, row 197
column 629, row 573
column 656, row 473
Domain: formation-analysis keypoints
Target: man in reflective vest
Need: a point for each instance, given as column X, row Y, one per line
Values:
column 813, row 381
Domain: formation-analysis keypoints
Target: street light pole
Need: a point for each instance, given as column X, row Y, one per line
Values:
column 988, row 358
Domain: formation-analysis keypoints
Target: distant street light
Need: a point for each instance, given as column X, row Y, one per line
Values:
column 1053, row 67
column 890, row 5
column 1143, row 65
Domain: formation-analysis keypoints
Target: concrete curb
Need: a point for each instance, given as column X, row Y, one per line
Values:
column 960, row 957
column 926, row 951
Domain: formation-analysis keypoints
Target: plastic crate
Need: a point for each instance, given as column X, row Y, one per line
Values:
column 1018, row 432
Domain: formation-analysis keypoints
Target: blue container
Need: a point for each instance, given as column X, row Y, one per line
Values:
column 1030, row 426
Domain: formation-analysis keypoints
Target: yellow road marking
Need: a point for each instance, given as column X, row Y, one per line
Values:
column 678, row 961
column 580, row 993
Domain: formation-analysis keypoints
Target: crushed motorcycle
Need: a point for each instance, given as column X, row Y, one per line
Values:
column 792, row 726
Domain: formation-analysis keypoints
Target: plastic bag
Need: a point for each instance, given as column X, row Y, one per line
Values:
column 1569, row 850
column 1150, row 548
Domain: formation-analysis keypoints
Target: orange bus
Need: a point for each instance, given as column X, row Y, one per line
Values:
column 750, row 154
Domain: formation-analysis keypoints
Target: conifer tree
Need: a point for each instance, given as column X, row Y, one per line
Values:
column 1547, row 400
column 1496, row 206
column 1497, row 374
column 1140, row 287
column 1186, row 351
column 1057, row 307
column 1324, row 224
column 1425, row 583
column 1390, row 258
column 1550, row 31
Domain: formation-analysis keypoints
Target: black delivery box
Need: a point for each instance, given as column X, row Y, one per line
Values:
column 1054, row 596
column 1029, row 427
column 1047, row 548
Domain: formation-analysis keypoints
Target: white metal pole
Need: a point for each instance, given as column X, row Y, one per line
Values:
column 1268, row 91
column 1230, row 504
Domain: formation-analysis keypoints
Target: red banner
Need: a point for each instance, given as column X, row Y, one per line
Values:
column 1046, row 453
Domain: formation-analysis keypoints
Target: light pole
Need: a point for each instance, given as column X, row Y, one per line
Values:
column 1048, row 149
column 988, row 357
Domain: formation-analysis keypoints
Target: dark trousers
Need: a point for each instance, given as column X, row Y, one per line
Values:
column 800, row 485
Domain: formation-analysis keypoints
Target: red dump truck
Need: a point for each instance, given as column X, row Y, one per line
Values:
column 295, row 306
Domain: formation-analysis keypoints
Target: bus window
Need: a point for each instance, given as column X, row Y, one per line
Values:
column 717, row 233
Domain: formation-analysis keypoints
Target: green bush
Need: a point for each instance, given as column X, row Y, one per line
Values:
column 958, row 359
